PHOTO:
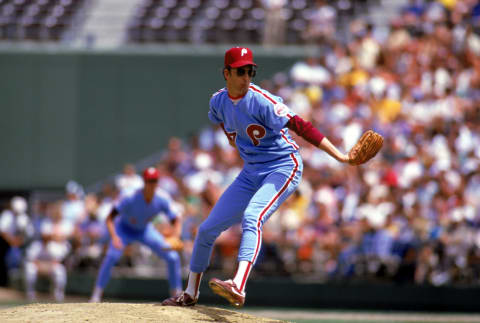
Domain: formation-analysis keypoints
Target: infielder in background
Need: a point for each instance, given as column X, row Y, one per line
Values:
column 258, row 124
column 133, row 223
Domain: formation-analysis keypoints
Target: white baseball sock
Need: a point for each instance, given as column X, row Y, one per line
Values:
column 97, row 295
column 193, row 284
column 244, row 268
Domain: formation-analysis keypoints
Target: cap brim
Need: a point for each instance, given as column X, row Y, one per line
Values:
column 242, row 63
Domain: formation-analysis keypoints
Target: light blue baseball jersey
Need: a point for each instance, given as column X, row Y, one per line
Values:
column 256, row 123
column 133, row 225
column 135, row 213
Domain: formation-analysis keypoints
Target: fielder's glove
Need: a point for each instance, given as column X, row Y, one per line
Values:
column 175, row 243
column 366, row 148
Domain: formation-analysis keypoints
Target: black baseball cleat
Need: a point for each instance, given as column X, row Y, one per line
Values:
column 228, row 290
column 180, row 300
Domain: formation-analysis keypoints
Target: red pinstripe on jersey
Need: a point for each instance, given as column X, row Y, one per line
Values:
column 286, row 139
column 269, row 205
column 266, row 96
column 218, row 92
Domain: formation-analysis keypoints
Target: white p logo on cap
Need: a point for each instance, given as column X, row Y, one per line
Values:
column 243, row 52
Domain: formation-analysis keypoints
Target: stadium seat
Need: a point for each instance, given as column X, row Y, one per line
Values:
column 37, row 20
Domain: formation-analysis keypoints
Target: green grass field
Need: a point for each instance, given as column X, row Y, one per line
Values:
column 330, row 316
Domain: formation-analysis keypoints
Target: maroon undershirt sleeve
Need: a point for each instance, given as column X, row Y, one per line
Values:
column 223, row 128
column 306, row 130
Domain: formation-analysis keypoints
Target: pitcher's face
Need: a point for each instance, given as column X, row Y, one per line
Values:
column 238, row 79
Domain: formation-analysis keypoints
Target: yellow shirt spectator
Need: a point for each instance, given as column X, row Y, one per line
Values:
column 387, row 109
column 449, row 4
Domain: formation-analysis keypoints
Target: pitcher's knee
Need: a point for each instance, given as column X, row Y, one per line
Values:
column 110, row 260
column 172, row 257
column 250, row 224
column 113, row 255
column 207, row 234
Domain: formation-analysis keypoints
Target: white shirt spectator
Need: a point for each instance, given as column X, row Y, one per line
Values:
column 62, row 229
column 128, row 184
column 310, row 73
column 350, row 135
column 51, row 251
column 465, row 141
column 197, row 181
column 411, row 171
column 73, row 210
column 443, row 80
column 104, row 208
column 300, row 104
column 16, row 224
column 129, row 181
column 368, row 53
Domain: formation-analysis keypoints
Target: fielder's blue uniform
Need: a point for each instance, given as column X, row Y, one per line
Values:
column 272, row 171
column 133, row 223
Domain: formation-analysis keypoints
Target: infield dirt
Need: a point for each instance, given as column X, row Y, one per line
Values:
column 123, row 312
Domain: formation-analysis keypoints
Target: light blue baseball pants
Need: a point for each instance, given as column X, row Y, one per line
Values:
column 251, row 199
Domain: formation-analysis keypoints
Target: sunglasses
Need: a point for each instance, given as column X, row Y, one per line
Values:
column 241, row 72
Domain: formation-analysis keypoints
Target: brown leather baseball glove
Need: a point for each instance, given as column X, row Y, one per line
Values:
column 366, row 148
column 175, row 243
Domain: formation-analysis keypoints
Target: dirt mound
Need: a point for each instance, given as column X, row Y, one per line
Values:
column 123, row 312
column 10, row 295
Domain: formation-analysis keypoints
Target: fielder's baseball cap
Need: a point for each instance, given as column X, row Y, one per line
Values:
column 151, row 174
column 238, row 56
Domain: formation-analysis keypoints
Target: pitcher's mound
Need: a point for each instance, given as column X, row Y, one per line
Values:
column 123, row 312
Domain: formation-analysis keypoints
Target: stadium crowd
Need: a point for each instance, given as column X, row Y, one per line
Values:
column 410, row 215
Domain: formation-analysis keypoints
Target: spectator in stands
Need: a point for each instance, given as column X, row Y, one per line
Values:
column 167, row 181
column 15, row 230
column 129, row 181
column 275, row 28
column 73, row 208
column 309, row 72
column 89, row 237
column 45, row 257
column 176, row 158
column 107, row 198
column 322, row 23
column 368, row 48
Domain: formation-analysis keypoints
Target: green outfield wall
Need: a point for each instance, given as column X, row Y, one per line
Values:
column 67, row 114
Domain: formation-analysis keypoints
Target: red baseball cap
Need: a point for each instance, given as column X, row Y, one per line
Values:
column 151, row 174
column 238, row 56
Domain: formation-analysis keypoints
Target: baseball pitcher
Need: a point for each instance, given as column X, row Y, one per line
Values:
column 257, row 123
